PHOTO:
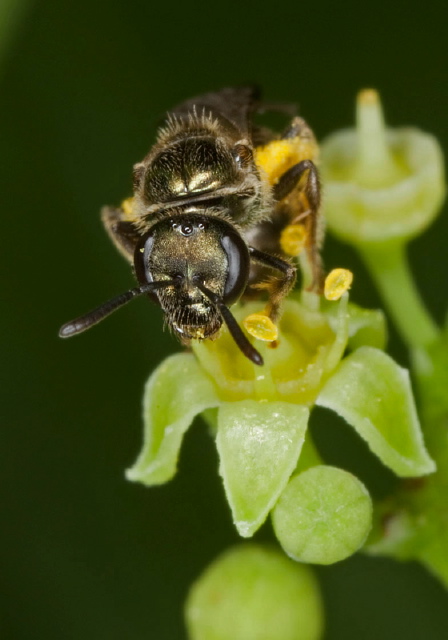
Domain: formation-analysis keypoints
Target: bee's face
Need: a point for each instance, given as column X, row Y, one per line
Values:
column 199, row 253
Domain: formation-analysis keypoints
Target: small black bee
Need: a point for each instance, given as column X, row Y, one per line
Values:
column 211, row 200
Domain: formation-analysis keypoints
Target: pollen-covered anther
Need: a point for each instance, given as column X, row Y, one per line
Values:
column 128, row 207
column 337, row 283
column 292, row 239
column 260, row 326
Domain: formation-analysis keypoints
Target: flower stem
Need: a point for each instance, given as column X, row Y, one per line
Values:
column 389, row 268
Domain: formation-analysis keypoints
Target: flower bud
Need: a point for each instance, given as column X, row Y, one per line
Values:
column 257, row 593
column 323, row 516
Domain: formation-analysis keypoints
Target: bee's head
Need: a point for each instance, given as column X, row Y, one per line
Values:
column 208, row 261
column 194, row 266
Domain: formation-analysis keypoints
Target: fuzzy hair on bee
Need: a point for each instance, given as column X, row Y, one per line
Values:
column 216, row 202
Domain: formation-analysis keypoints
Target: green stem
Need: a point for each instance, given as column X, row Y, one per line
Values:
column 389, row 268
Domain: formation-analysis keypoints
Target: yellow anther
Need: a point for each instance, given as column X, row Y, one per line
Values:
column 337, row 283
column 292, row 239
column 127, row 206
column 260, row 326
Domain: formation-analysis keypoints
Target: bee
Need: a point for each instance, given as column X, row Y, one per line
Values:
column 212, row 202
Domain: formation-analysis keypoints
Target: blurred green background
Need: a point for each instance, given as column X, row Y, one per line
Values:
column 85, row 554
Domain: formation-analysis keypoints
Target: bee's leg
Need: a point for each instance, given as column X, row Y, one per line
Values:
column 305, row 178
column 121, row 231
column 277, row 288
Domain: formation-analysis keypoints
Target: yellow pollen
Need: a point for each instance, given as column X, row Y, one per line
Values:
column 274, row 158
column 292, row 239
column 260, row 326
column 337, row 283
column 127, row 206
column 280, row 155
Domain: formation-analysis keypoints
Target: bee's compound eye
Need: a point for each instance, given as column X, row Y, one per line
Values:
column 141, row 258
column 238, row 265
column 242, row 154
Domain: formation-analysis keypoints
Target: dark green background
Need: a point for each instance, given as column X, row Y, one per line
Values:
column 86, row 555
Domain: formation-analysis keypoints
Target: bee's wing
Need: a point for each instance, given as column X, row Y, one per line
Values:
column 233, row 104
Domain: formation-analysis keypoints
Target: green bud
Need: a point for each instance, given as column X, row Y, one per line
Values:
column 253, row 593
column 323, row 516
column 380, row 184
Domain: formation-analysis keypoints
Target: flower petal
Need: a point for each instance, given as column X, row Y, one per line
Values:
column 374, row 395
column 366, row 327
column 259, row 444
column 176, row 392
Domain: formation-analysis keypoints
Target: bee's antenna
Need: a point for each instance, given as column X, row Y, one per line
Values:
column 235, row 330
column 93, row 317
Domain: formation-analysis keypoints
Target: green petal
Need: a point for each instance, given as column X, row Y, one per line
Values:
column 176, row 392
column 374, row 395
column 259, row 444
column 253, row 593
column 323, row 516
column 367, row 328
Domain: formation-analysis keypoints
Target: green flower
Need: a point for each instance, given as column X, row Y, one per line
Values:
column 381, row 184
column 259, row 415
column 383, row 187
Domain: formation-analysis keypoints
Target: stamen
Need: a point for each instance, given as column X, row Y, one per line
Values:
column 337, row 283
column 260, row 326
